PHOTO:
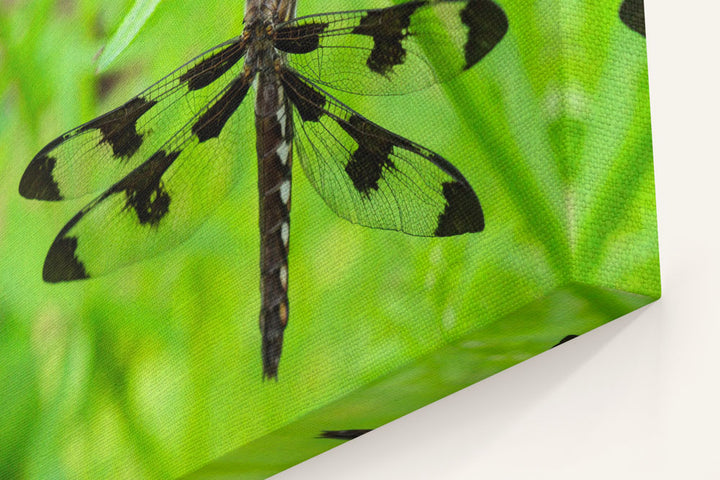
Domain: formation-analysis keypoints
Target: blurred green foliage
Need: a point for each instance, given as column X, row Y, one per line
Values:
column 155, row 370
column 530, row 330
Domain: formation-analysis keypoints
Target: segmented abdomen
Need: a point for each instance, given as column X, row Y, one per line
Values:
column 273, row 124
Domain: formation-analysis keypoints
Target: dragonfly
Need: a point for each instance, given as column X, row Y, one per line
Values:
column 160, row 163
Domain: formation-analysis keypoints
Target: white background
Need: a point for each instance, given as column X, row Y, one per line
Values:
column 637, row 398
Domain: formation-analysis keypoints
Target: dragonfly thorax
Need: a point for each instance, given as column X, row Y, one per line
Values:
column 275, row 11
column 262, row 56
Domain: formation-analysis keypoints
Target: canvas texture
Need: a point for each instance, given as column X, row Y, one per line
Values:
column 155, row 366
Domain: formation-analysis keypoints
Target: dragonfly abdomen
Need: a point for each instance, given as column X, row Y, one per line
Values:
column 273, row 124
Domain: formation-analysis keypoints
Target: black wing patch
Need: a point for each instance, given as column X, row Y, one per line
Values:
column 392, row 50
column 144, row 195
column 370, row 176
column 97, row 154
column 565, row 339
column 388, row 28
column 343, row 434
column 164, row 200
column 632, row 14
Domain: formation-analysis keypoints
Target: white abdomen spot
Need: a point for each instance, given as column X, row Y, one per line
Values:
column 285, row 233
column 285, row 192
column 283, row 277
column 283, row 152
column 281, row 120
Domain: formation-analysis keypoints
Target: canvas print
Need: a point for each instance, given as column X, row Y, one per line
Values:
column 471, row 184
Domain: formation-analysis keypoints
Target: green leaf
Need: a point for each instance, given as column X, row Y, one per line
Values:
column 129, row 28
